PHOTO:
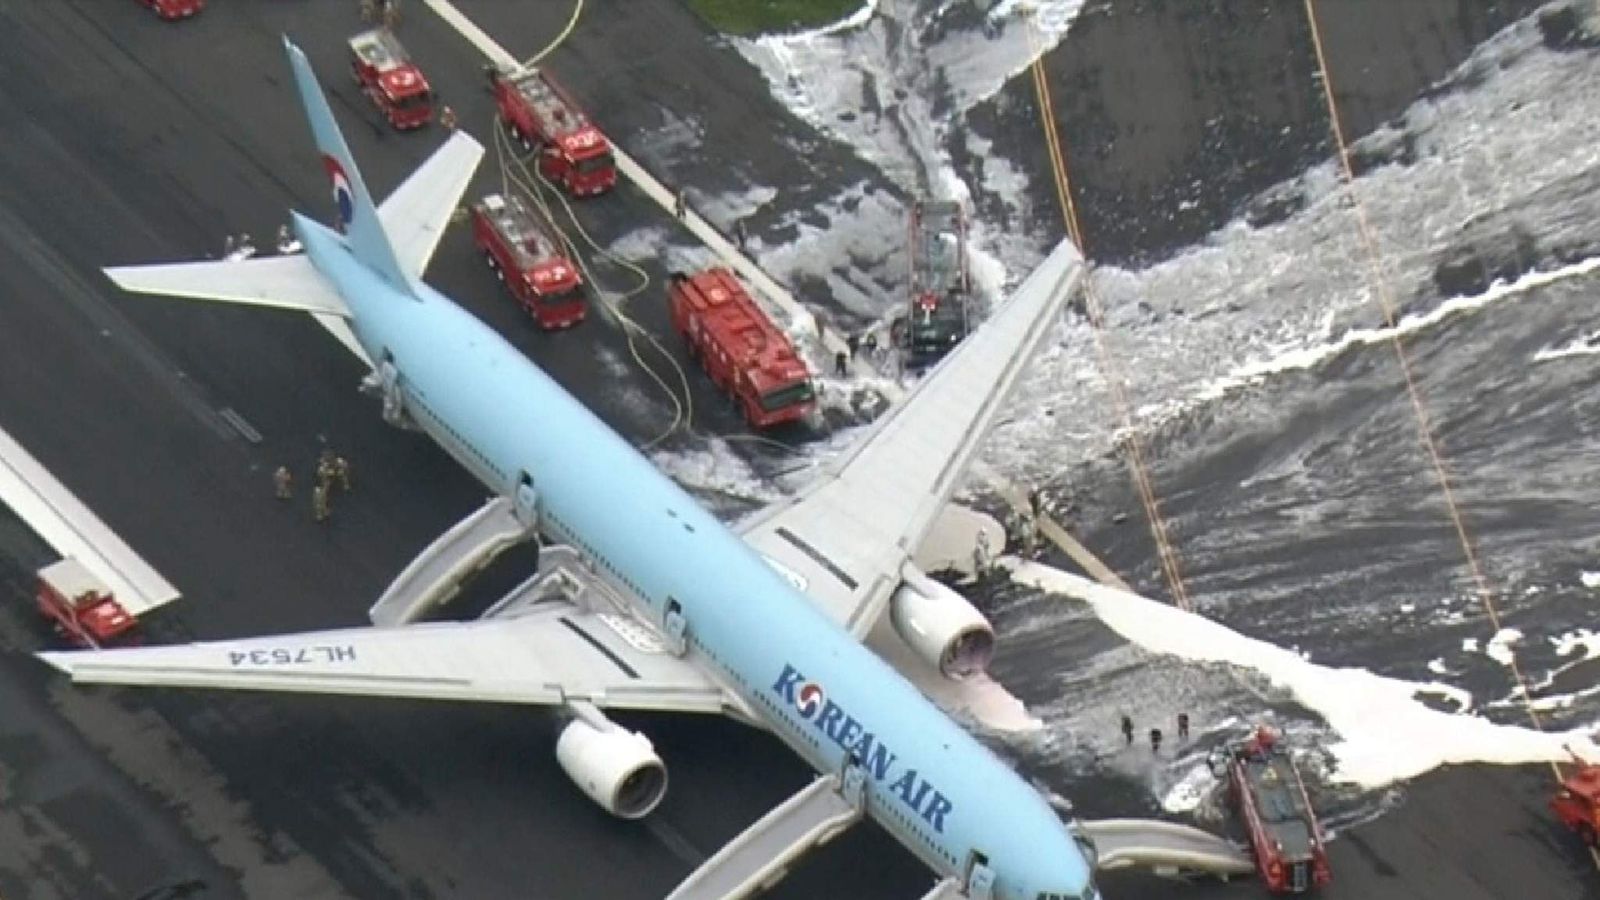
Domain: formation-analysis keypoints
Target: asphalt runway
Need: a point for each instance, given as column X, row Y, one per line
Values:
column 131, row 140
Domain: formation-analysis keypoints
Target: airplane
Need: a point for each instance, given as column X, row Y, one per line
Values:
column 643, row 599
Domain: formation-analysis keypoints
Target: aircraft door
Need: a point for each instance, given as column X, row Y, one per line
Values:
column 385, row 382
column 979, row 877
column 675, row 628
column 853, row 782
column 525, row 501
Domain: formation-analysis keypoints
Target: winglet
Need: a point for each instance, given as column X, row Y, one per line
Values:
column 358, row 216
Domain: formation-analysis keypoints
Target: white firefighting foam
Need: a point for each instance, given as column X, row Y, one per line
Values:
column 1385, row 734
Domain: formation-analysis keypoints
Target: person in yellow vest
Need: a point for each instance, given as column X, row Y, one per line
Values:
column 447, row 118
column 341, row 472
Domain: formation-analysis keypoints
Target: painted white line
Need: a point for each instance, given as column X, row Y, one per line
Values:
column 475, row 35
column 68, row 526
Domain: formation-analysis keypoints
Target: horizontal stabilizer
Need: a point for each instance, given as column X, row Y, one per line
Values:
column 417, row 213
column 283, row 282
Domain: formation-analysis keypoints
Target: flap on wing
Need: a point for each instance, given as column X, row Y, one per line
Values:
column 284, row 282
column 415, row 216
column 835, row 562
column 551, row 655
column 848, row 534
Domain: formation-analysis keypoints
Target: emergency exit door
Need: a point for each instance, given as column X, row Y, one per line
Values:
column 525, row 501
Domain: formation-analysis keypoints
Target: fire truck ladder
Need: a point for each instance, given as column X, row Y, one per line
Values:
column 551, row 107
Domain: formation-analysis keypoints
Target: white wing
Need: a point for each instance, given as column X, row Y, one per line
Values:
column 284, row 282
column 553, row 654
column 416, row 214
column 848, row 534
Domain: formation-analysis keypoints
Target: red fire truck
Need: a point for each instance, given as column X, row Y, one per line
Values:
column 525, row 254
column 543, row 119
column 1577, row 802
column 172, row 10
column 743, row 352
column 389, row 78
column 1265, row 789
column 80, row 605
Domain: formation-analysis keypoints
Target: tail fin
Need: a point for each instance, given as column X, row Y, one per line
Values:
column 358, row 217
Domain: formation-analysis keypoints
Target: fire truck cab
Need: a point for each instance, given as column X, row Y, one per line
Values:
column 541, row 117
column 80, row 605
column 172, row 10
column 387, row 76
column 526, row 256
column 744, row 353
column 1576, row 803
column 1265, row 788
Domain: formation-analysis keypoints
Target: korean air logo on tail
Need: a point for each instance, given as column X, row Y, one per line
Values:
column 342, row 197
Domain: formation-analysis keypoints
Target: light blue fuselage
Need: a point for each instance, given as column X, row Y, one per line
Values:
column 933, row 786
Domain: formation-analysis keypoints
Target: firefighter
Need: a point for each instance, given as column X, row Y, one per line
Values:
column 341, row 473
column 283, row 483
column 319, row 502
column 841, row 364
column 680, row 206
column 870, row 344
column 854, row 343
column 1030, row 535
column 1127, row 730
column 227, row 246
column 325, row 470
column 983, row 556
column 447, row 118
column 1155, row 740
column 285, row 239
column 1183, row 726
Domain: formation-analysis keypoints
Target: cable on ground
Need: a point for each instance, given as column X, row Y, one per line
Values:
column 1109, row 367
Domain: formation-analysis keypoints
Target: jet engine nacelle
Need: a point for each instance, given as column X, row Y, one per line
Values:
column 618, row 769
column 941, row 627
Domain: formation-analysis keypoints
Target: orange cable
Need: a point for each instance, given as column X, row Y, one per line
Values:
column 1167, row 558
column 1424, row 425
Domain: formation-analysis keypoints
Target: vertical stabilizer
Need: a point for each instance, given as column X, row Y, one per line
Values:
column 358, row 217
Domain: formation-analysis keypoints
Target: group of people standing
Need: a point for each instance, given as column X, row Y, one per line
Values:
column 1155, row 733
column 333, row 471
